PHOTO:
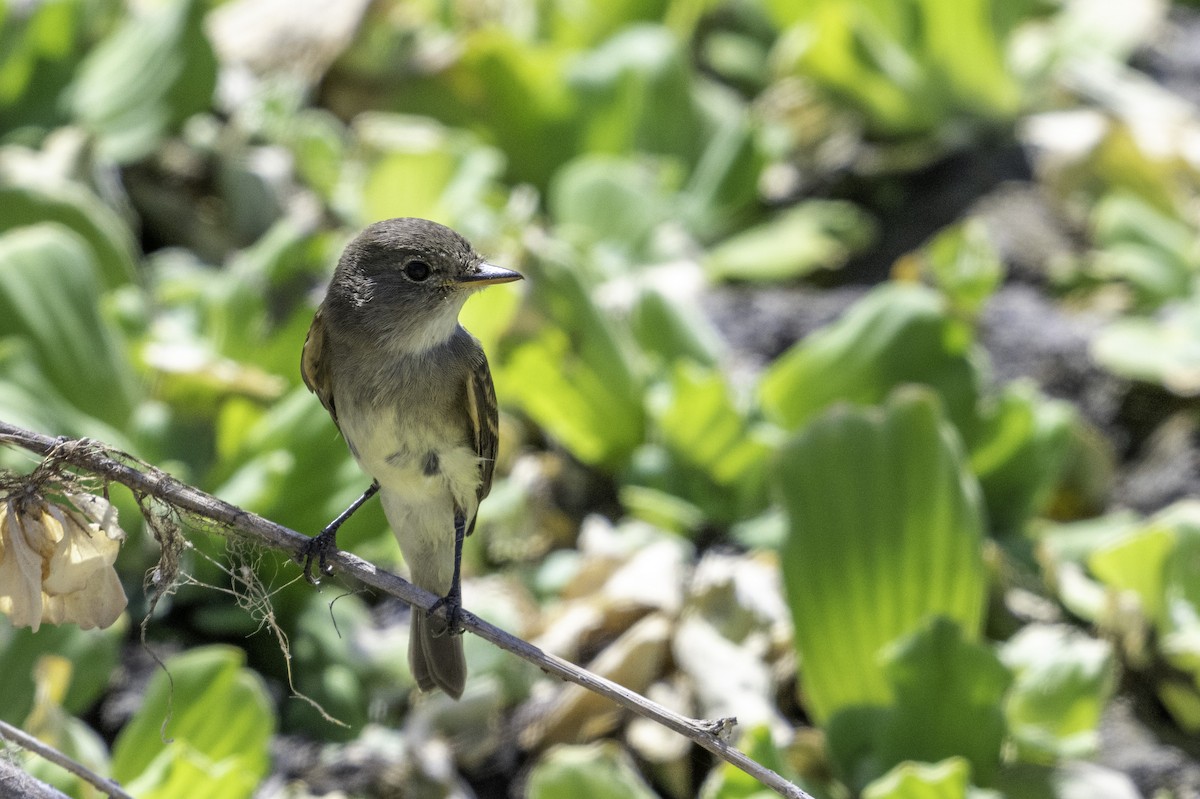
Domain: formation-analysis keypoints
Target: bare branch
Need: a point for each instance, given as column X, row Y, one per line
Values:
column 47, row 752
column 144, row 479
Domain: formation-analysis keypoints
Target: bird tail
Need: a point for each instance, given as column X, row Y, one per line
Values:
column 436, row 656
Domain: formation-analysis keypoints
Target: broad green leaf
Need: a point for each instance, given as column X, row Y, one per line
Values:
column 817, row 234
column 885, row 530
column 1161, row 350
column 1063, row 680
column 1071, row 779
column 1019, row 455
column 413, row 166
column 1136, row 564
column 219, row 723
column 945, row 780
column 48, row 295
column 73, row 205
column 636, row 95
column 93, row 652
column 669, row 329
column 963, row 264
column 40, row 45
column 597, row 771
column 705, row 431
column 907, row 66
column 896, row 334
column 576, row 377
column 508, row 90
column 949, row 692
column 611, row 199
column 145, row 79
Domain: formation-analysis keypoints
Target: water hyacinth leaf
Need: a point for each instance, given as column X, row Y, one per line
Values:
column 1136, row 242
column 575, row 378
column 610, row 199
column 813, row 235
column 635, row 92
column 963, row 264
column 1161, row 351
column 885, row 525
column 896, row 334
column 48, row 289
column 1019, row 456
column 42, row 46
column 947, row 702
column 600, row 771
column 1136, row 564
column 219, row 726
column 145, row 79
column 908, row 66
column 73, row 205
column 666, row 327
column 1063, row 681
column 945, row 780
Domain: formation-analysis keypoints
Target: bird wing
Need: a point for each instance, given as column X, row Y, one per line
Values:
column 314, row 367
column 485, row 424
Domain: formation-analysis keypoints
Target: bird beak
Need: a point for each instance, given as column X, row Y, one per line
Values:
column 487, row 274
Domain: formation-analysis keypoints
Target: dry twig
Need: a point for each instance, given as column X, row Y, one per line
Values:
column 146, row 480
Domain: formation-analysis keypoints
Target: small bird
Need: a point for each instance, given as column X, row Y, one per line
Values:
column 410, row 390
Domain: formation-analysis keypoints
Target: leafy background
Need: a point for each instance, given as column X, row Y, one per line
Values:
column 851, row 391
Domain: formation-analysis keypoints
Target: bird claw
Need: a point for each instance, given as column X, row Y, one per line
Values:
column 452, row 602
column 319, row 548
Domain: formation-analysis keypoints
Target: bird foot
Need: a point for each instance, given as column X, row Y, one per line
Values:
column 319, row 548
column 452, row 602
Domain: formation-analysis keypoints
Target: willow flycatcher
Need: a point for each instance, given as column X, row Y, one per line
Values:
column 412, row 394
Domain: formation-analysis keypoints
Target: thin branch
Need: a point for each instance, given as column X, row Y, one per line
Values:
column 144, row 479
column 47, row 752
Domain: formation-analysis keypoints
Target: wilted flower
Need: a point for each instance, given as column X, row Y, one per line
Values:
column 56, row 561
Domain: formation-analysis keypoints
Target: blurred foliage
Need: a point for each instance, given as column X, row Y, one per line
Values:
column 178, row 177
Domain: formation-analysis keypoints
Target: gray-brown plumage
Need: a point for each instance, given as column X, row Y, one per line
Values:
column 412, row 394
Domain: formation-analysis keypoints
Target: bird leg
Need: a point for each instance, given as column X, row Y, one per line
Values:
column 452, row 601
column 324, row 544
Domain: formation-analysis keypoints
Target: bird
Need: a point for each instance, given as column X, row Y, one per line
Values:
column 411, row 392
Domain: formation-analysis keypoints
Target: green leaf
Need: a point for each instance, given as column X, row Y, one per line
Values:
column 40, row 45
column 816, row 234
column 94, row 653
column 909, row 66
column 962, row 263
column 1020, row 453
column 219, row 723
column 945, row 780
column 896, row 334
column 575, row 377
column 48, row 295
column 1064, row 679
column 1136, row 564
column 1161, row 351
column 145, row 79
column 885, row 530
column 74, row 206
column 611, row 199
column 635, row 93
column 948, row 693
column 597, row 771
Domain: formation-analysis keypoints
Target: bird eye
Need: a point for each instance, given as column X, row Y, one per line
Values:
column 417, row 271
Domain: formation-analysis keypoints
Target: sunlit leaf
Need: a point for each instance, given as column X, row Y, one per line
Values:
column 600, row 771
column 218, row 722
column 147, row 77
column 885, row 527
column 896, row 334
column 818, row 234
column 945, row 780
column 48, row 291
column 1063, row 680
